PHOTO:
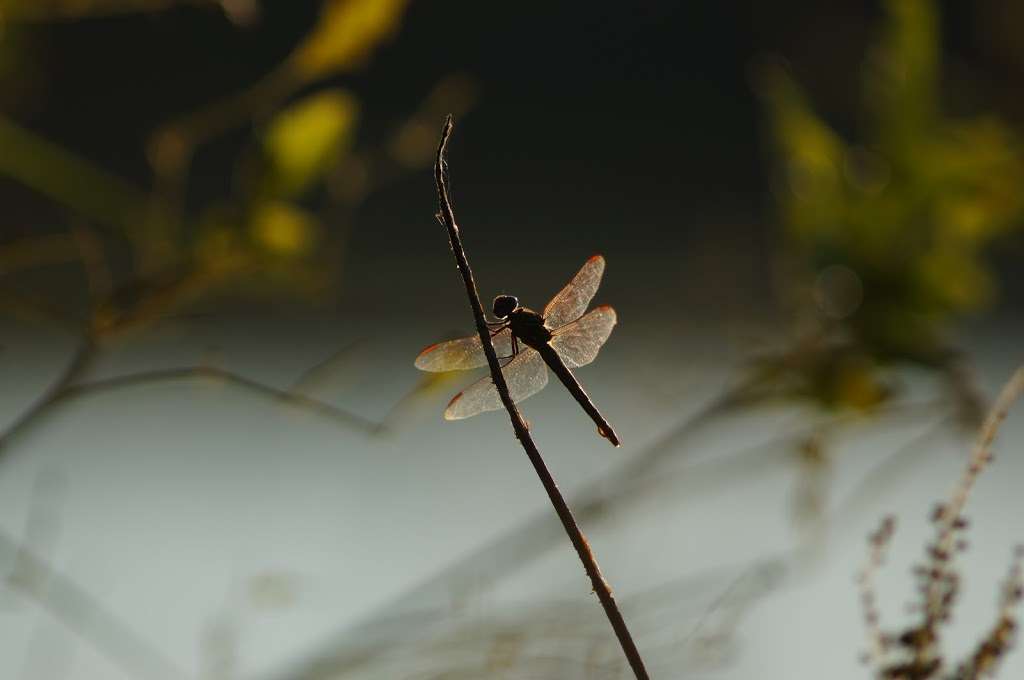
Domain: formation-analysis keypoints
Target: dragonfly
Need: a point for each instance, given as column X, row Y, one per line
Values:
column 560, row 338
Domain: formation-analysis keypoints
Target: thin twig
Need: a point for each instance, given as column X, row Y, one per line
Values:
column 83, row 356
column 446, row 216
column 214, row 373
column 320, row 372
column 68, row 388
column 879, row 544
column 981, row 454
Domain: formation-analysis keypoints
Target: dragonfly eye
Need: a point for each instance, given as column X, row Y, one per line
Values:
column 505, row 305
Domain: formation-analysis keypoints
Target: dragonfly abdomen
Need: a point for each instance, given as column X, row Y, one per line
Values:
column 559, row 368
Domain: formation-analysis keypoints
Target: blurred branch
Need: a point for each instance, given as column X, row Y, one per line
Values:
column 84, row 615
column 214, row 373
column 72, row 181
column 373, row 644
column 516, row 547
column 557, row 638
column 69, row 385
column 79, row 363
column 321, row 372
column 612, row 494
column 172, row 146
column 37, row 308
column 408, row 146
column 98, row 276
column 38, row 251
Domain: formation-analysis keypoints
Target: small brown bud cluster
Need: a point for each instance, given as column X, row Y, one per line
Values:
column 878, row 543
column 994, row 646
column 915, row 653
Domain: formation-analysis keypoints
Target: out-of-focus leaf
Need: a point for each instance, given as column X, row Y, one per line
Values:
column 60, row 175
column 414, row 143
column 813, row 156
column 306, row 139
column 855, row 385
column 346, row 33
column 901, row 75
column 955, row 278
column 283, row 230
column 270, row 249
column 977, row 167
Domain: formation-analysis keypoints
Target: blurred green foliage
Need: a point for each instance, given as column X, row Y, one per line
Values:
column 305, row 140
column 298, row 178
column 886, row 233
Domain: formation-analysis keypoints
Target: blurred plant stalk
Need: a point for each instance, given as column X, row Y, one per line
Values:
column 884, row 236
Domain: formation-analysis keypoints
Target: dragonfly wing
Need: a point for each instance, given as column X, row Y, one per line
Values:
column 526, row 375
column 462, row 354
column 572, row 301
column 578, row 342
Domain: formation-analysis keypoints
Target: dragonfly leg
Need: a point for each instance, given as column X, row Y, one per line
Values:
column 502, row 325
column 515, row 350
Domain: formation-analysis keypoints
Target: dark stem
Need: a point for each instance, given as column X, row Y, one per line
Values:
column 78, row 364
column 446, row 216
column 70, row 386
column 214, row 373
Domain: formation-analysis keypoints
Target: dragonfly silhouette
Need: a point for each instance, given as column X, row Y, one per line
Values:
column 561, row 338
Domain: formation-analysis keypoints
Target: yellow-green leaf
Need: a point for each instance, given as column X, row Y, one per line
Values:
column 282, row 229
column 305, row 140
column 346, row 33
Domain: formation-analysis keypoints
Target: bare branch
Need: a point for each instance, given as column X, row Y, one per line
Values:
column 215, row 373
column 446, row 216
column 69, row 386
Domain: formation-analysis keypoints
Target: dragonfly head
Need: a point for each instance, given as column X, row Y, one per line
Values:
column 505, row 305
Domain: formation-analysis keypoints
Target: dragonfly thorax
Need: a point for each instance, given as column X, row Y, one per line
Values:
column 504, row 305
column 528, row 326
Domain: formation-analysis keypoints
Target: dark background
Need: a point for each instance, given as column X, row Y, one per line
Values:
column 633, row 126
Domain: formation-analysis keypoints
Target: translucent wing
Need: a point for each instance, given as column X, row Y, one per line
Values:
column 526, row 375
column 578, row 342
column 462, row 354
column 572, row 301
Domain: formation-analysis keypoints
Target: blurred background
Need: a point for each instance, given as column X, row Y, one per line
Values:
column 218, row 261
